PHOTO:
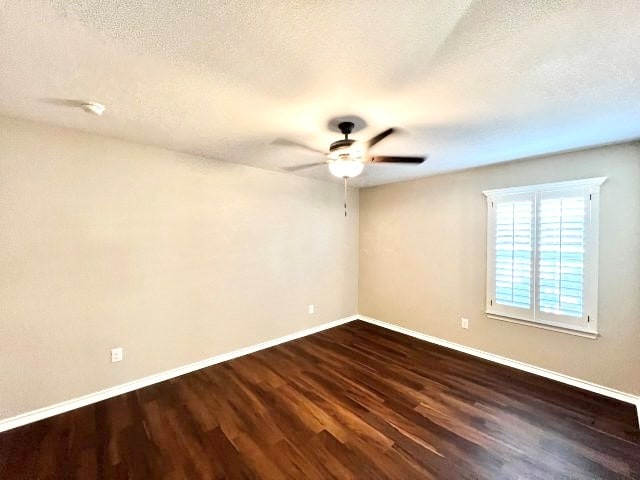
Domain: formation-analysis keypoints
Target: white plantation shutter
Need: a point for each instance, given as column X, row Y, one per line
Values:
column 514, row 247
column 542, row 254
column 561, row 242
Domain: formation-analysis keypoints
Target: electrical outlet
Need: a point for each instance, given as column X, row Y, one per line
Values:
column 312, row 309
column 116, row 354
column 464, row 322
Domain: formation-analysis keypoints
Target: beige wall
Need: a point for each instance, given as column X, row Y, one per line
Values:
column 175, row 258
column 423, row 263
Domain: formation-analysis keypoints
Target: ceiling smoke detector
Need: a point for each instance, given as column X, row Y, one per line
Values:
column 93, row 107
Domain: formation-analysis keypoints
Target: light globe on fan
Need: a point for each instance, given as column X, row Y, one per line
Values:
column 346, row 168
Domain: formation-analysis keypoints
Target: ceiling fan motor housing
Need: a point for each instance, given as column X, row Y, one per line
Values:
column 342, row 148
column 341, row 144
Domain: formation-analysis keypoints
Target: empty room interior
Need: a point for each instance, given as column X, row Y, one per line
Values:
column 319, row 240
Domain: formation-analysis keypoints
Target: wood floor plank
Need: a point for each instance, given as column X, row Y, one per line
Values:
column 353, row 402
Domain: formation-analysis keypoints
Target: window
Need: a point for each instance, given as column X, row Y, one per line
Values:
column 542, row 255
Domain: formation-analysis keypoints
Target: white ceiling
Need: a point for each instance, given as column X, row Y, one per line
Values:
column 471, row 82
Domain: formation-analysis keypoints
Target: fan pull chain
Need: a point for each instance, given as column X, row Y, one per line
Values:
column 345, row 196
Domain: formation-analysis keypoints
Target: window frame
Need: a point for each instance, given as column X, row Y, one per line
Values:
column 587, row 325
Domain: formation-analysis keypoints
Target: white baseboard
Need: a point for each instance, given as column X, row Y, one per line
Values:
column 45, row 412
column 576, row 382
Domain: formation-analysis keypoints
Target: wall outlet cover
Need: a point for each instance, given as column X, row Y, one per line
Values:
column 116, row 354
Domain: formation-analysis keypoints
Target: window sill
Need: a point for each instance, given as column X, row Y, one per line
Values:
column 580, row 333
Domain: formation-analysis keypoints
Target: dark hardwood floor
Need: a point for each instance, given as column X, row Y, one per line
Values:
column 357, row 401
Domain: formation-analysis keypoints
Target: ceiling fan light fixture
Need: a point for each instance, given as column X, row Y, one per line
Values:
column 346, row 168
column 346, row 157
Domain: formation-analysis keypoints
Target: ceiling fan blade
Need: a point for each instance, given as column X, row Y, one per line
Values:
column 291, row 143
column 295, row 168
column 384, row 159
column 381, row 136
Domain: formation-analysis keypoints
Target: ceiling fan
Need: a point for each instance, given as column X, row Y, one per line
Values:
column 347, row 157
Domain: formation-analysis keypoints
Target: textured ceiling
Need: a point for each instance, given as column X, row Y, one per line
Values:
column 471, row 82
